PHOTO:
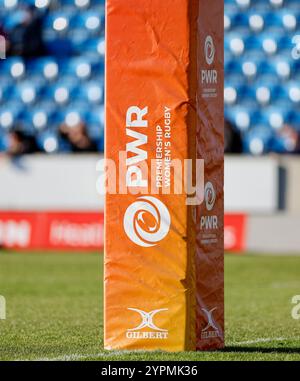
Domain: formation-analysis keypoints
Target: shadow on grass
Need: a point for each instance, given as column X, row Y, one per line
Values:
column 261, row 349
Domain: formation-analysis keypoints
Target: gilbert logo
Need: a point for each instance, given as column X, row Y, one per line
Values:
column 147, row 319
column 210, row 196
column 211, row 329
column 147, row 221
column 147, row 322
column 209, row 50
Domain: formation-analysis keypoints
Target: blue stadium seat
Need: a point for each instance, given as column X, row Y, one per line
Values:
column 95, row 124
column 235, row 43
column 243, row 4
column 94, row 47
column 26, row 92
column 39, row 118
column 90, row 93
column 9, row 115
column 292, row 92
column 5, row 91
column 275, row 117
column 74, row 115
column 82, row 68
column 257, row 21
column 294, row 118
column 60, row 92
column 58, row 21
column 258, row 140
column 284, row 20
column 3, row 141
column 278, row 68
column 57, row 25
column 240, row 116
column 89, row 21
column 45, row 68
column 82, row 4
column 13, row 67
column 293, row 5
column 48, row 142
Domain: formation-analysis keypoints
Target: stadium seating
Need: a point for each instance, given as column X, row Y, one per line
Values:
column 41, row 93
column 262, row 90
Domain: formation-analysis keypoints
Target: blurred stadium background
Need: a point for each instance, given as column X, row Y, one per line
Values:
column 51, row 145
column 52, row 124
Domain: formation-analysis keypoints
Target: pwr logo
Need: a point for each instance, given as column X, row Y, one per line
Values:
column 15, row 233
column 147, row 221
column 210, row 196
column 209, row 50
column 209, row 76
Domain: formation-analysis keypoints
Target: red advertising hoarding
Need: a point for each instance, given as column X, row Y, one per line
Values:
column 83, row 230
column 51, row 230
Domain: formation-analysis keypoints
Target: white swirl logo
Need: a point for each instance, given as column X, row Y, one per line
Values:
column 209, row 50
column 147, row 221
column 210, row 196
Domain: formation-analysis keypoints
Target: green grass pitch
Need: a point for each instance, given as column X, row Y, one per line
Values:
column 54, row 309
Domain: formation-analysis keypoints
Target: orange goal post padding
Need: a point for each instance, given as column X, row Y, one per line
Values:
column 164, row 105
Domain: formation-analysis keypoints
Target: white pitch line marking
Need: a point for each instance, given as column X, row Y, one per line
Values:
column 265, row 340
column 72, row 357
column 76, row 357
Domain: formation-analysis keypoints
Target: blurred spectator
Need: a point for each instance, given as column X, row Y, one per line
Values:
column 290, row 138
column 233, row 140
column 4, row 44
column 26, row 36
column 2, row 32
column 77, row 137
column 20, row 143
